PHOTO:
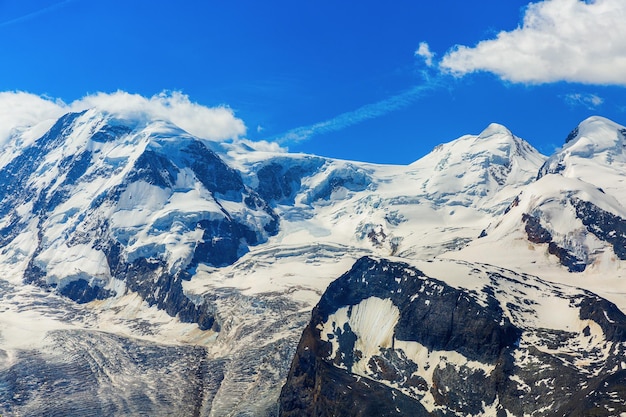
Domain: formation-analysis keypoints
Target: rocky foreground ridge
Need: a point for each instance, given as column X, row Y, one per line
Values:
column 387, row 339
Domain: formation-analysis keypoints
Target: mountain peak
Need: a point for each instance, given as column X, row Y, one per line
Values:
column 595, row 143
column 474, row 167
column 595, row 134
column 495, row 129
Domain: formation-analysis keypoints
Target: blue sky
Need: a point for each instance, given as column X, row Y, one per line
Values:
column 370, row 80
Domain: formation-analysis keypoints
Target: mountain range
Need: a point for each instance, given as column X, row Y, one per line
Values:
column 146, row 271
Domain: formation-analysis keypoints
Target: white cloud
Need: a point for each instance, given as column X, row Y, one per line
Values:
column 559, row 40
column 212, row 123
column 258, row 145
column 424, row 51
column 19, row 110
column 590, row 101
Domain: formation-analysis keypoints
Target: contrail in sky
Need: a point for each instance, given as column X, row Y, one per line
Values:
column 347, row 119
column 35, row 14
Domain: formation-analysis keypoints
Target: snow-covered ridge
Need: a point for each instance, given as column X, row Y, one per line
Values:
column 473, row 170
column 573, row 214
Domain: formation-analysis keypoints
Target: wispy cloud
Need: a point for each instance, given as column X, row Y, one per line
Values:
column 590, row 101
column 351, row 118
column 19, row 110
column 35, row 14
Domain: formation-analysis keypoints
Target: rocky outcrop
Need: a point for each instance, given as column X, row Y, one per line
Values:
column 604, row 225
column 386, row 339
column 280, row 180
column 431, row 314
column 538, row 234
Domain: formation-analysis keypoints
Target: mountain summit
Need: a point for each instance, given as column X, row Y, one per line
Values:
column 97, row 205
column 474, row 169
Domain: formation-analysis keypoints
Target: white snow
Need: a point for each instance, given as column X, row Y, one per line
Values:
column 372, row 320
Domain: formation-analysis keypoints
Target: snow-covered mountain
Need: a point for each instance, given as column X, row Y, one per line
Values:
column 134, row 254
column 571, row 217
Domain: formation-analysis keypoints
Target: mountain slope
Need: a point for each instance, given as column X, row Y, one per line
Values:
column 439, row 203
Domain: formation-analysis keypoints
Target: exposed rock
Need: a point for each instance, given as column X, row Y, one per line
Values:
column 507, row 367
column 223, row 234
column 538, row 234
column 604, row 225
column 280, row 180
column 440, row 318
column 535, row 232
column 81, row 292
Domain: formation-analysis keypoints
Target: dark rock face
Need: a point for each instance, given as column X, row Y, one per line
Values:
column 512, row 368
column 604, row 225
column 155, row 169
column 472, row 389
column 535, row 232
column 444, row 321
column 567, row 258
column 317, row 388
column 223, row 242
column 441, row 318
column 610, row 318
column 572, row 135
column 158, row 287
column 213, row 173
column 538, row 234
column 81, row 292
column 280, row 180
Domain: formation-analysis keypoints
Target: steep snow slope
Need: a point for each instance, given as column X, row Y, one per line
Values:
column 478, row 171
column 95, row 191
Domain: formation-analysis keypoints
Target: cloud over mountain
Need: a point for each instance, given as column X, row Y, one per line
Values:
column 19, row 109
column 213, row 123
column 24, row 110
